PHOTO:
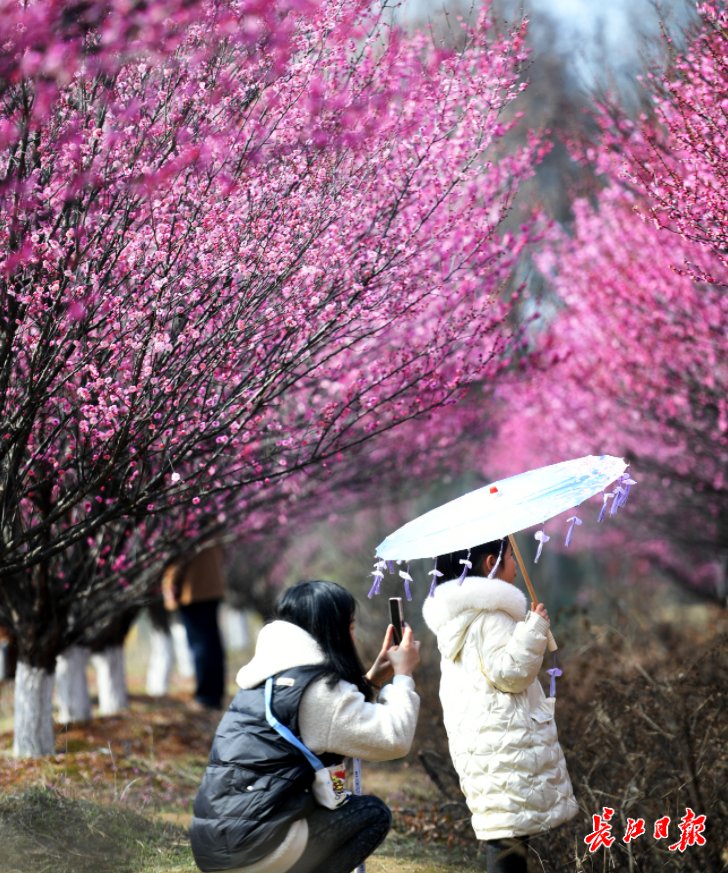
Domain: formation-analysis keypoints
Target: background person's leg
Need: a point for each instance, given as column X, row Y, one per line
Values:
column 203, row 634
column 340, row 839
column 507, row 855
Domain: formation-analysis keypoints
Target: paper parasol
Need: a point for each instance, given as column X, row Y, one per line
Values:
column 507, row 506
column 504, row 507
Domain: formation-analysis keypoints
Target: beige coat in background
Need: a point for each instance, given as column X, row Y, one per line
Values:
column 200, row 578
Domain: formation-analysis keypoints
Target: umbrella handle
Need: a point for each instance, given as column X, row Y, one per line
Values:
column 550, row 641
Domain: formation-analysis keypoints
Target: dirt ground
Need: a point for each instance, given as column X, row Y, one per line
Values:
column 117, row 796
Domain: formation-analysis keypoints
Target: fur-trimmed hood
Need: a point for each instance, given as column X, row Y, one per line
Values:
column 280, row 646
column 455, row 605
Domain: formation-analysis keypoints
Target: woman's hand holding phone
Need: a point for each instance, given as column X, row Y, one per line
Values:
column 381, row 670
column 406, row 656
column 395, row 660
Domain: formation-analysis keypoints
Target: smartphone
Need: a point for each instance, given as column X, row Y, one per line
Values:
column 396, row 617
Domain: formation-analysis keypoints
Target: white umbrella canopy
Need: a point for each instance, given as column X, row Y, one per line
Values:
column 507, row 506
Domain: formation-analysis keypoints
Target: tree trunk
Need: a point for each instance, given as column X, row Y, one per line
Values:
column 111, row 680
column 72, row 694
column 182, row 653
column 161, row 662
column 33, row 736
column 236, row 628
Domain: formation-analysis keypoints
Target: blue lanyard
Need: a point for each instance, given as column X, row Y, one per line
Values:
column 284, row 731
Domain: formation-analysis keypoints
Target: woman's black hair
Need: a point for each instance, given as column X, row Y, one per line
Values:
column 451, row 568
column 326, row 610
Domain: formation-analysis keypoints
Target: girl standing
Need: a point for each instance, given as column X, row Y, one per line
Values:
column 500, row 725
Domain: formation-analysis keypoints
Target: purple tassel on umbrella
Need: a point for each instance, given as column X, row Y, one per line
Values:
column 618, row 497
column 405, row 574
column 378, row 574
column 616, row 500
column 626, row 483
column 467, row 565
column 606, row 496
column 542, row 538
column 574, row 520
column 374, row 590
column 436, row 574
column 554, row 673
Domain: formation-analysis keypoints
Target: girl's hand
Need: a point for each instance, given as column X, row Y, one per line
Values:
column 381, row 670
column 406, row 656
column 541, row 610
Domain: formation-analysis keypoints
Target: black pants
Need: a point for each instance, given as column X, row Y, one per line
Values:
column 340, row 839
column 507, row 855
column 203, row 636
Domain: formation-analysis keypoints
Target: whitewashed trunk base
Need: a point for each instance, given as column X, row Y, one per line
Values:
column 182, row 653
column 161, row 662
column 111, row 680
column 74, row 702
column 235, row 627
column 33, row 728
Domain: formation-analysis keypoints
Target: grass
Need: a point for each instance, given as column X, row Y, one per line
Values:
column 46, row 831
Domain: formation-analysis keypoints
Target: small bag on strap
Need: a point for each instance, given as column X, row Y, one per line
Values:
column 328, row 789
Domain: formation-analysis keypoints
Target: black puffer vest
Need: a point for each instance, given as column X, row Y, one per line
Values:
column 256, row 783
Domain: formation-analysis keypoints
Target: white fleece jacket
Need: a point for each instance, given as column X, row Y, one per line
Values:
column 337, row 720
column 500, row 725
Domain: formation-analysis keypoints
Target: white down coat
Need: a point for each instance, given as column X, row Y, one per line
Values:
column 500, row 724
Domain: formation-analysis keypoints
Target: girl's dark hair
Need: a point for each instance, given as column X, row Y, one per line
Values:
column 451, row 568
column 326, row 610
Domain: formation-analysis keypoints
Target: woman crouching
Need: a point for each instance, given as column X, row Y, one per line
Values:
column 264, row 805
